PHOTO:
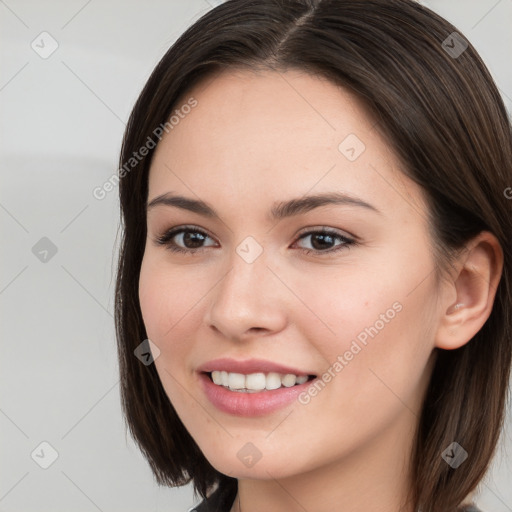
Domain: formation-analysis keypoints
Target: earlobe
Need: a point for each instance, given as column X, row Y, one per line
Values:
column 475, row 286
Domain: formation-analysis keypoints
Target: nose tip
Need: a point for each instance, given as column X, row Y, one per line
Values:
column 245, row 302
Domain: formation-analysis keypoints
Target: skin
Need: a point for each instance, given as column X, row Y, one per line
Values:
column 254, row 139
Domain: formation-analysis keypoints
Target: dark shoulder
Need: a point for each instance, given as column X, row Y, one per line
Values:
column 470, row 508
column 221, row 500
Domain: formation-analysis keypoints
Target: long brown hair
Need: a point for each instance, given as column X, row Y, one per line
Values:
column 441, row 113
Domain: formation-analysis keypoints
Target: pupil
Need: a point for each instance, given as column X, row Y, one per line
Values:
column 315, row 237
column 192, row 237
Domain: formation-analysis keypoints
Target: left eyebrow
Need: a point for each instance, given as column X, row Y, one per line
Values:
column 279, row 210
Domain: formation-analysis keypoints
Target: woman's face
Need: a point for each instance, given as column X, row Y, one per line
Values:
column 361, row 316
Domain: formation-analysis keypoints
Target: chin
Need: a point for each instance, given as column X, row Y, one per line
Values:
column 244, row 460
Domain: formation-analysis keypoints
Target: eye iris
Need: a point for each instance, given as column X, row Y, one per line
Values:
column 323, row 236
column 192, row 240
column 194, row 237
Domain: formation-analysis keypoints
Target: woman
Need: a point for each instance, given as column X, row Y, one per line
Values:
column 315, row 272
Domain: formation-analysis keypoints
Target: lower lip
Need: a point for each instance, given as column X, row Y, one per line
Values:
column 250, row 404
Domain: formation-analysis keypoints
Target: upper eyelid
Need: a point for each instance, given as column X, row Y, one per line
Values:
column 301, row 234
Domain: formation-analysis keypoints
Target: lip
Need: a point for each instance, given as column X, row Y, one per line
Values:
column 250, row 404
column 249, row 366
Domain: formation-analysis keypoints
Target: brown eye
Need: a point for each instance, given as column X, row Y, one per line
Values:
column 185, row 240
column 189, row 240
column 322, row 241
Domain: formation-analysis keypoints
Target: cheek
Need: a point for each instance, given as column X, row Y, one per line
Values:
column 169, row 301
column 165, row 299
column 373, row 328
column 343, row 305
column 161, row 311
column 162, row 307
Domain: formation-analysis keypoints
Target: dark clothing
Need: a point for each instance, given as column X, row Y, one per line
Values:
column 219, row 501
column 223, row 498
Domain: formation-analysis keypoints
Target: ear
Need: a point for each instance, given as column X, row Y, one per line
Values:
column 469, row 297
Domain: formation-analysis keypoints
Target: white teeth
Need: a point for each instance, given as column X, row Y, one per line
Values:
column 256, row 381
column 236, row 381
column 273, row 381
column 289, row 380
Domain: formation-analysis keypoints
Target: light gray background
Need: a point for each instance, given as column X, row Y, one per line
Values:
column 61, row 123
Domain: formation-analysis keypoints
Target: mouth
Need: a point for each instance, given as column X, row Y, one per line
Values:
column 231, row 393
column 256, row 382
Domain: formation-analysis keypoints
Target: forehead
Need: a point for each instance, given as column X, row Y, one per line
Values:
column 257, row 135
column 254, row 107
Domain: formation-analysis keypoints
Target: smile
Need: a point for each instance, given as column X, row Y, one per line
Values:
column 254, row 382
column 241, row 401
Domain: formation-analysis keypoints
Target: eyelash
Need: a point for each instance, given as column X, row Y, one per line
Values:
column 166, row 238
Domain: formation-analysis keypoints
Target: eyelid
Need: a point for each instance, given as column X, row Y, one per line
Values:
column 173, row 231
column 347, row 241
column 168, row 234
column 324, row 228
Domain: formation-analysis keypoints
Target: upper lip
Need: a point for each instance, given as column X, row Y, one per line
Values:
column 249, row 366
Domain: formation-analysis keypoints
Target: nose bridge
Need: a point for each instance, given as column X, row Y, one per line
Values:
column 246, row 297
column 247, row 278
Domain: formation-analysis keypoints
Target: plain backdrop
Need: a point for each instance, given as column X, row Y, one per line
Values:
column 61, row 124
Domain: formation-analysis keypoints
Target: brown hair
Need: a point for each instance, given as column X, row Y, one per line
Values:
column 443, row 116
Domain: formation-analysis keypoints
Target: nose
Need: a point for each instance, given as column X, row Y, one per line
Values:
column 248, row 301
